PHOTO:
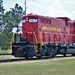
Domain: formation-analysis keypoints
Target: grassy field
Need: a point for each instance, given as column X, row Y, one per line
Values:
column 5, row 51
column 57, row 67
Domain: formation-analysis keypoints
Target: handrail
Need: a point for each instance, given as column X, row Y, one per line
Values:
column 12, row 40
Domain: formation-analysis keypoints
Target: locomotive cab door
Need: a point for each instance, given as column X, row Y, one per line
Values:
column 16, row 43
column 17, row 37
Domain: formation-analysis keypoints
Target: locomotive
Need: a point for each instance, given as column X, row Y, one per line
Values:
column 44, row 36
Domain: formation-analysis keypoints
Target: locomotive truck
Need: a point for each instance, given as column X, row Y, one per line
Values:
column 44, row 36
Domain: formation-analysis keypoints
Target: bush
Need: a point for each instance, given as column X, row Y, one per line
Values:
column 4, row 48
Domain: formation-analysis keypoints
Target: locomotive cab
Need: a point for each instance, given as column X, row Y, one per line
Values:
column 29, row 27
column 26, row 45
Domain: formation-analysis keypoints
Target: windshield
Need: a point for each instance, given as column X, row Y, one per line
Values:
column 23, row 21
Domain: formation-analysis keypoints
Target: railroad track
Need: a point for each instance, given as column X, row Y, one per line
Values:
column 11, row 60
column 35, row 59
column 5, row 54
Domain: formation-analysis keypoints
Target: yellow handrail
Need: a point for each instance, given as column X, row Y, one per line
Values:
column 12, row 40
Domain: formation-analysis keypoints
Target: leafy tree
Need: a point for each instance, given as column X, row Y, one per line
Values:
column 17, row 12
column 2, row 23
column 11, row 19
column 1, row 16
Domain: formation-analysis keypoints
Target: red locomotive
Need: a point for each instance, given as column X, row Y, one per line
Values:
column 45, row 36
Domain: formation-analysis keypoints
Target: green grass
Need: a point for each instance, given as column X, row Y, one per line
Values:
column 5, row 51
column 7, row 57
column 58, row 67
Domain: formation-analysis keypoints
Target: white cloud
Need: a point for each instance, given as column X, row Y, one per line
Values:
column 57, row 10
column 53, row 8
column 57, row 4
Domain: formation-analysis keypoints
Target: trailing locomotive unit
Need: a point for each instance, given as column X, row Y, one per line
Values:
column 45, row 36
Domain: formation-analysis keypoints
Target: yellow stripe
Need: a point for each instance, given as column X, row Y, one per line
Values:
column 12, row 40
column 58, row 33
column 35, row 37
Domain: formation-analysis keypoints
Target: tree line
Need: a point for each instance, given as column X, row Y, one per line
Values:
column 9, row 20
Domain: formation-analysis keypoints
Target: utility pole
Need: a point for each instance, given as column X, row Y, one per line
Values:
column 25, row 7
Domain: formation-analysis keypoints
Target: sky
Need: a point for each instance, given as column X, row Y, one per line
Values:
column 53, row 8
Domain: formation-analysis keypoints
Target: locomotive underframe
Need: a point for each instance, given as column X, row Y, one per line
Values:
column 27, row 49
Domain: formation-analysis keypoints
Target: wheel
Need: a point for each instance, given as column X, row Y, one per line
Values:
column 64, row 55
column 53, row 52
column 73, row 54
column 26, row 57
column 63, row 52
column 39, row 57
